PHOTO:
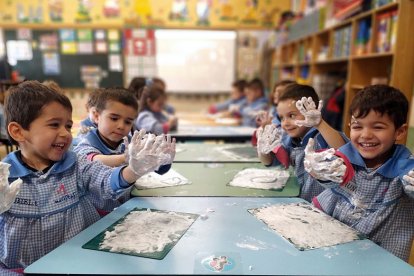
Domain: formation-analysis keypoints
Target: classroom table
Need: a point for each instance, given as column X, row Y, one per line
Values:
column 235, row 134
column 213, row 152
column 226, row 229
column 211, row 179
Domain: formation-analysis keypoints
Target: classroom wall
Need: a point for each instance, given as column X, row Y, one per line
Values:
column 145, row 13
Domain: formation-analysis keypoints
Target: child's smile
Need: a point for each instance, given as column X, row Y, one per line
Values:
column 374, row 136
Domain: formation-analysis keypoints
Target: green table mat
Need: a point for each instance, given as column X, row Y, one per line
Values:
column 94, row 243
column 211, row 179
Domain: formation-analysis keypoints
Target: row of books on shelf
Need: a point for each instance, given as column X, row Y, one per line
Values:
column 342, row 42
column 379, row 3
column 387, row 31
column 386, row 34
column 327, row 17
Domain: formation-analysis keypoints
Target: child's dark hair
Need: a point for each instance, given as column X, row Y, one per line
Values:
column 136, row 85
column 295, row 91
column 256, row 84
column 277, row 84
column 53, row 85
column 151, row 93
column 160, row 82
column 25, row 101
column 93, row 98
column 116, row 94
column 240, row 85
column 383, row 99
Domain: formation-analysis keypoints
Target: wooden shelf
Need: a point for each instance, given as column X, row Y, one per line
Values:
column 332, row 60
column 366, row 67
column 373, row 55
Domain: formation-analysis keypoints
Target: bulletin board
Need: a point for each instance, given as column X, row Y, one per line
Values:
column 68, row 67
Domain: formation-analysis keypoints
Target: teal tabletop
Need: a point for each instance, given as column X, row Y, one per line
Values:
column 223, row 230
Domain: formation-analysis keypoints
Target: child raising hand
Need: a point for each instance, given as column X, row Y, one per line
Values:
column 54, row 204
column 370, row 180
column 299, row 111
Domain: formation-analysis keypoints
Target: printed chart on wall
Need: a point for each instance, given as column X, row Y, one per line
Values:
column 77, row 58
column 305, row 226
column 143, row 232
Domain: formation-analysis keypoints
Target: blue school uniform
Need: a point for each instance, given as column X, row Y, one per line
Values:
column 92, row 144
column 374, row 202
column 249, row 111
column 84, row 124
column 295, row 151
column 154, row 122
column 224, row 106
column 53, row 206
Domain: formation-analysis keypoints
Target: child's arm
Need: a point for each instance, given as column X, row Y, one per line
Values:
column 313, row 118
column 110, row 160
column 8, row 192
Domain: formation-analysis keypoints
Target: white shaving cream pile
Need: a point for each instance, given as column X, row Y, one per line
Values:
column 261, row 179
column 305, row 226
column 155, row 180
column 146, row 232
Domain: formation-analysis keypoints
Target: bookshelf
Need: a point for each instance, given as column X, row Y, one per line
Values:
column 373, row 46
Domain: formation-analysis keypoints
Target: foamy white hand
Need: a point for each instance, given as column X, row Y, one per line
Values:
column 323, row 165
column 7, row 192
column 268, row 138
column 409, row 183
column 143, row 153
column 167, row 149
column 313, row 115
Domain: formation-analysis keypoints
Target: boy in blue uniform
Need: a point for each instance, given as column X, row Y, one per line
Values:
column 255, row 102
column 237, row 98
column 151, row 116
column 88, row 123
column 54, row 204
column 370, row 180
column 116, row 110
column 300, row 121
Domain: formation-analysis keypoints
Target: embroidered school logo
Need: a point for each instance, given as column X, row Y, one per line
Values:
column 62, row 190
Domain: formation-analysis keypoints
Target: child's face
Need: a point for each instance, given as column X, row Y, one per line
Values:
column 48, row 137
column 288, row 113
column 278, row 90
column 252, row 94
column 236, row 93
column 373, row 136
column 157, row 105
column 115, row 121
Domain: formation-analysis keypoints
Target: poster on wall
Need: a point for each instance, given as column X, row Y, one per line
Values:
column 115, row 63
column 51, row 64
column 18, row 50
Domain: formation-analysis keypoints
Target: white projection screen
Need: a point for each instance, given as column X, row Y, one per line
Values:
column 196, row 61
